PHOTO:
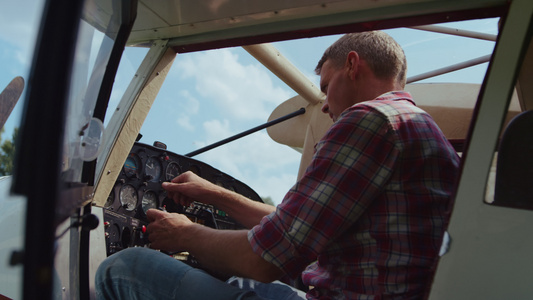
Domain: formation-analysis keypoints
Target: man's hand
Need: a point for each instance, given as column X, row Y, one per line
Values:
column 164, row 230
column 189, row 187
column 224, row 251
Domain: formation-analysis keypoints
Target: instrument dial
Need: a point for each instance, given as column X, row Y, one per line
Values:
column 149, row 200
column 152, row 169
column 128, row 197
column 132, row 166
column 173, row 170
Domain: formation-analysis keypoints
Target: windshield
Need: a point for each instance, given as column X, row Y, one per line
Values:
column 215, row 94
column 93, row 50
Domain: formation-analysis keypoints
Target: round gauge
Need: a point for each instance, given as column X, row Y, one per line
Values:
column 149, row 200
column 173, row 170
column 128, row 197
column 132, row 166
column 152, row 169
column 110, row 199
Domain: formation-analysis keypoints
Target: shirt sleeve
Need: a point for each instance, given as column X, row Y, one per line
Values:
column 351, row 165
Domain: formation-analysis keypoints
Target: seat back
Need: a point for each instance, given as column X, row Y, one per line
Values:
column 514, row 171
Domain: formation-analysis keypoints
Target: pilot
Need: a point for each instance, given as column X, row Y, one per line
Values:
column 365, row 221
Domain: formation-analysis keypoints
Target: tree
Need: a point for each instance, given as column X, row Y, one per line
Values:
column 7, row 153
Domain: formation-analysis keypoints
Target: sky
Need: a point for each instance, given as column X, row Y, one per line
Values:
column 211, row 95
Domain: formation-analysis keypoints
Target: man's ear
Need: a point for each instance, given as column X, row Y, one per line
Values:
column 352, row 64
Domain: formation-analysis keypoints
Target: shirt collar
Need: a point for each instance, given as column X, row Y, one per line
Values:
column 396, row 95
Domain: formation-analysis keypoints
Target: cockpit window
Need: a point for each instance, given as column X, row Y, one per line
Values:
column 96, row 37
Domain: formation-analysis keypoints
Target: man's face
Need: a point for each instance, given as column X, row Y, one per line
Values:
column 339, row 89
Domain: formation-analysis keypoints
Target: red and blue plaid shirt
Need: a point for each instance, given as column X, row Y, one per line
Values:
column 367, row 219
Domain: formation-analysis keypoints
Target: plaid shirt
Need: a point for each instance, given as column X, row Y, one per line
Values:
column 370, row 212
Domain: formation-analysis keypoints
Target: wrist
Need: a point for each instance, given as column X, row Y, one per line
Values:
column 195, row 237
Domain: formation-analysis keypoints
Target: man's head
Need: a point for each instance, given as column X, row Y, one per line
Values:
column 360, row 67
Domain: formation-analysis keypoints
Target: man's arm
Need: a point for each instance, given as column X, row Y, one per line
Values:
column 224, row 251
column 189, row 187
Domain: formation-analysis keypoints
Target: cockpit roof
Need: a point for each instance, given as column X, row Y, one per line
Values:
column 207, row 24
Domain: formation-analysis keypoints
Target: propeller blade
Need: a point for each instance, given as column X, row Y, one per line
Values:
column 9, row 97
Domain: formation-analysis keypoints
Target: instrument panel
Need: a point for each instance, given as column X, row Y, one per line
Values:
column 138, row 188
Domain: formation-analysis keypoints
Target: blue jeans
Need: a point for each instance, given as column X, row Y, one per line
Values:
column 142, row 273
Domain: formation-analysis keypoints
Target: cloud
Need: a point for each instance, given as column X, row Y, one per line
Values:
column 188, row 103
column 266, row 166
column 19, row 23
column 184, row 122
column 188, row 106
column 244, row 91
column 234, row 93
column 215, row 129
column 212, row 95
